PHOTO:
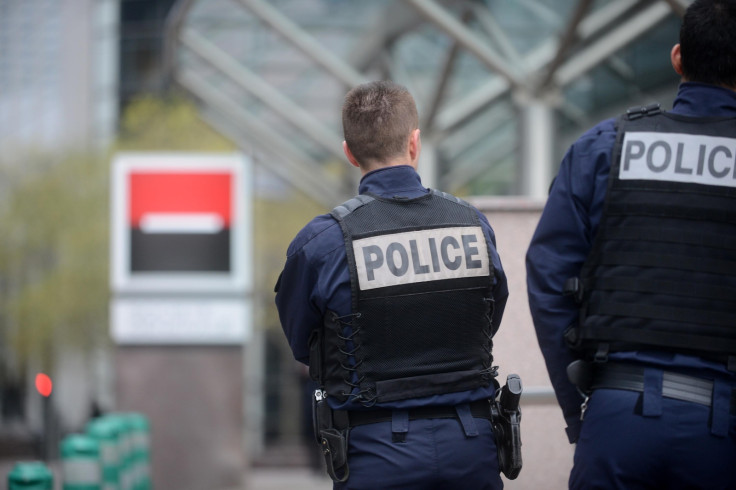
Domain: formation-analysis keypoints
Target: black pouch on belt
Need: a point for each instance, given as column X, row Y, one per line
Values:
column 332, row 441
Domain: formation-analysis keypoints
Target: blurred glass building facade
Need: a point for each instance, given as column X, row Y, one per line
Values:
column 492, row 78
column 58, row 73
column 502, row 87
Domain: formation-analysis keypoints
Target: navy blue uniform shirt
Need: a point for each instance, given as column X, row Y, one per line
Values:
column 563, row 240
column 315, row 279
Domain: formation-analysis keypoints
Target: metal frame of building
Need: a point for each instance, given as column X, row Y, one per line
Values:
column 495, row 98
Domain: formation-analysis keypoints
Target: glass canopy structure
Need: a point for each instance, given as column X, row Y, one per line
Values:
column 502, row 87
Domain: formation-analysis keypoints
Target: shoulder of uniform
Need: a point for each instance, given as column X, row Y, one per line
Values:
column 339, row 212
column 638, row 112
column 606, row 126
column 598, row 138
column 450, row 197
column 317, row 229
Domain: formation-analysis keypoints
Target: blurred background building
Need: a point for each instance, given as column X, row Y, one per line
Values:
column 502, row 88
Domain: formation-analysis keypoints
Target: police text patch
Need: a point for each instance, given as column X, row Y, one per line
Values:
column 679, row 157
column 420, row 256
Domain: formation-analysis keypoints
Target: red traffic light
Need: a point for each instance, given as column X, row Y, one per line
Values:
column 44, row 384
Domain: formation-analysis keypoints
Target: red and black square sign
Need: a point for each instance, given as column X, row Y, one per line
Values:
column 181, row 247
column 180, row 221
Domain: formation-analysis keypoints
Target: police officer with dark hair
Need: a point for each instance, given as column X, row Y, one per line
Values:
column 393, row 299
column 632, row 279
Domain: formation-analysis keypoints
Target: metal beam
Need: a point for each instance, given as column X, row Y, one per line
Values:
column 574, row 113
column 306, row 43
column 608, row 14
column 439, row 88
column 567, row 40
column 261, row 89
column 172, row 26
column 293, row 165
column 226, row 127
column 541, row 11
column 438, row 92
column 397, row 71
column 495, row 32
column 604, row 47
column 448, row 119
column 467, row 39
column 476, row 131
column 451, row 117
column 396, row 19
column 468, row 168
column 535, row 162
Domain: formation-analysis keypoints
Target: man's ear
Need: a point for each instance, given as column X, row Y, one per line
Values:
column 415, row 146
column 676, row 59
column 349, row 154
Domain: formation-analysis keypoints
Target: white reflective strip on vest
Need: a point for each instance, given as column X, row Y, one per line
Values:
column 421, row 256
column 81, row 470
column 679, row 157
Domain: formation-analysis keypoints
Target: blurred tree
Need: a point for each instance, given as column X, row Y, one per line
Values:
column 171, row 124
column 54, row 224
column 53, row 254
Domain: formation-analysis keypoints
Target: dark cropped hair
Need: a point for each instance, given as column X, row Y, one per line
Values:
column 708, row 42
column 377, row 119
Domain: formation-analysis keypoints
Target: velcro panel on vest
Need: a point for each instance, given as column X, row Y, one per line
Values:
column 661, row 273
column 416, row 356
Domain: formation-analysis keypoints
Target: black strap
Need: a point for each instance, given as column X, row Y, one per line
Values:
column 654, row 286
column 666, row 313
column 674, row 385
column 688, row 213
column 672, row 340
column 669, row 235
column 637, row 112
column 573, row 287
column 676, row 262
column 479, row 409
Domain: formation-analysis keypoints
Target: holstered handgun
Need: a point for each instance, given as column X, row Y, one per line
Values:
column 332, row 440
column 506, row 414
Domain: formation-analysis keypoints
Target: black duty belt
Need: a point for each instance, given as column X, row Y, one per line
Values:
column 674, row 385
column 479, row 409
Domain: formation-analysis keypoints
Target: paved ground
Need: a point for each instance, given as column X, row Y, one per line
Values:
column 256, row 479
column 287, row 479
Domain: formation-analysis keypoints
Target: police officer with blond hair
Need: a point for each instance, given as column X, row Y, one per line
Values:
column 632, row 279
column 393, row 299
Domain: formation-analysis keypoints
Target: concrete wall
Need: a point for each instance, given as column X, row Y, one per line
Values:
column 546, row 453
column 193, row 397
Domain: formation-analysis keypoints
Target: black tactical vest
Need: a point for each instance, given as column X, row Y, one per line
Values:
column 421, row 279
column 662, row 271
